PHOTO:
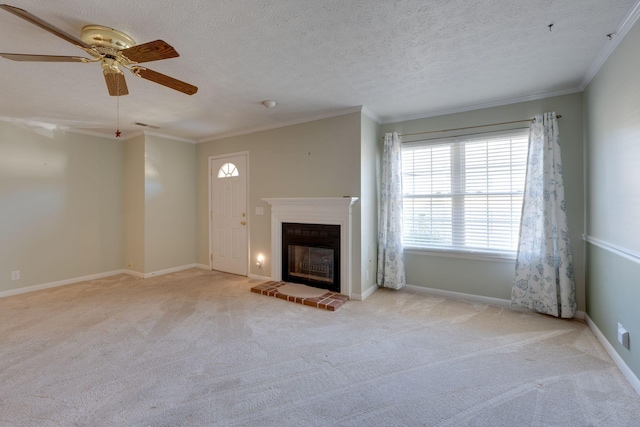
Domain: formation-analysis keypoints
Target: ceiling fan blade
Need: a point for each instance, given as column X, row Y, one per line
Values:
column 167, row 81
column 42, row 58
column 44, row 25
column 151, row 51
column 116, row 84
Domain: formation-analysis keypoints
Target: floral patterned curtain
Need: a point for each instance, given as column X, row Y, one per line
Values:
column 390, row 261
column 544, row 270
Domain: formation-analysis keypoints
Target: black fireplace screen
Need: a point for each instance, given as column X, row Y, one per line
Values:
column 311, row 255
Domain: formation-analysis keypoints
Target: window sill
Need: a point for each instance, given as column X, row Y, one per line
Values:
column 478, row 256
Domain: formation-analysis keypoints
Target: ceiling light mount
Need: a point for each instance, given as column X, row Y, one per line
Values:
column 269, row 103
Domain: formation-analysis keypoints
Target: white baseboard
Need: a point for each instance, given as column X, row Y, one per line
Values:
column 169, row 270
column 460, row 296
column 99, row 276
column 257, row 277
column 60, row 283
column 203, row 266
column 475, row 298
column 366, row 294
column 626, row 371
column 134, row 273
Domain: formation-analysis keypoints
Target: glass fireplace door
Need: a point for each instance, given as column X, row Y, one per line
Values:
column 311, row 263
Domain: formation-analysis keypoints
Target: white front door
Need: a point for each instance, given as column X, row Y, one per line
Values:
column 228, row 214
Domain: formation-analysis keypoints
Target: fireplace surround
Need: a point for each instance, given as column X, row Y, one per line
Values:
column 313, row 210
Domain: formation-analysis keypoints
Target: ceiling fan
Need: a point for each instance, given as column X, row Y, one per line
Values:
column 112, row 48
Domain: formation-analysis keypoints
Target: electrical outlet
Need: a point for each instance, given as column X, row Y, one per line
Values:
column 623, row 336
column 15, row 275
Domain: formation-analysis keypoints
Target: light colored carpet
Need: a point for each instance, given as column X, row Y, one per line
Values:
column 197, row 348
column 301, row 291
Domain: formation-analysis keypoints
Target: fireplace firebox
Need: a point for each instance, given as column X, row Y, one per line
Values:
column 311, row 255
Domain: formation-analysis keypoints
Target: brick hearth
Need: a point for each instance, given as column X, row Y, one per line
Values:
column 330, row 301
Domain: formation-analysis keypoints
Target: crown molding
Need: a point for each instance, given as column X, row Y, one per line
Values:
column 98, row 134
column 608, row 49
column 498, row 103
column 30, row 123
column 175, row 138
column 307, row 119
column 373, row 116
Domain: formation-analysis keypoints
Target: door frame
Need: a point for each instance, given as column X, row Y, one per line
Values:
column 210, row 205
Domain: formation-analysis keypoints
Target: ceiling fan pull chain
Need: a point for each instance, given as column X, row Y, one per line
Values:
column 118, row 133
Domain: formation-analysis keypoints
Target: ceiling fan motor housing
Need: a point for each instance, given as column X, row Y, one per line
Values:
column 101, row 36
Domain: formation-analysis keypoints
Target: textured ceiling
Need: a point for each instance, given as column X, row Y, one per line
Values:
column 398, row 58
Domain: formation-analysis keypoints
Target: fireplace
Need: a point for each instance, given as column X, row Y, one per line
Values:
column 313, row 210
column 311, row 255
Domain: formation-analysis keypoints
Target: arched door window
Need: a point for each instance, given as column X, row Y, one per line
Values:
column 227, row 170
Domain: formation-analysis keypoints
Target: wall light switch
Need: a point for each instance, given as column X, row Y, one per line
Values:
column 623, row 336
column 259, row 210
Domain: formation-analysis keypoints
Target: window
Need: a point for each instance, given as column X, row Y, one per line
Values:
column 464, row 194
column 227, row 170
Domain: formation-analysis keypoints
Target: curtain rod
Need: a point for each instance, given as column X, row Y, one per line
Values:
column 472, row 127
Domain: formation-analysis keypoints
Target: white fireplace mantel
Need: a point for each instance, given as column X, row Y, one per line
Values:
column 313, row 210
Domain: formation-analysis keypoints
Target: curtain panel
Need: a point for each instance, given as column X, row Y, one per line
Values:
column 544, row 279
column 390, row 255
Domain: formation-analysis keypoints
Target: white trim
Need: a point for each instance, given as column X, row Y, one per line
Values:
column 478, row 256
column 497, row 103
column 365, row 295
column 336, row 113
column 33, row 288
column 615, row 249
column 580, row 315
column 175, row 138
column 257, row 277
column 127, row 136
column 373, row 116
column 169, row 270
column 134, row 273
column 30, row 123
column 608, row 49
column 460, row 296
column 203, row 266
column 626, row 371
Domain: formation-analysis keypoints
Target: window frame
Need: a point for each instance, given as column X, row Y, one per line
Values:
column 457, row 171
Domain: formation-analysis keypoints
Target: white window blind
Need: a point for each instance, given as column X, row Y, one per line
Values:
column 464, row 194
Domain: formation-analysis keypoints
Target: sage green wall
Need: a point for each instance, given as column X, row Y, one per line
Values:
column 313, row 159
column 170, row 204
column 369, row 168
column 133, row 212
column 612, row 123
column 493, row 278
column 61, row 205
